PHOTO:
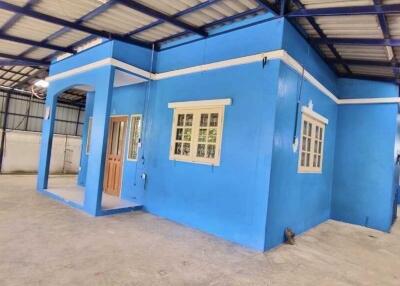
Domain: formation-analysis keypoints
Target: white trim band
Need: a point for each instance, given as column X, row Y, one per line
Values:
column 272, row 55
column 307, row 110
column 201, row 103
column 370, row 100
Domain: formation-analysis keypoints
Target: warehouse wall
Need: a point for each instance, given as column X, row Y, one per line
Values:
column 24, row 124
column 21, row 153
column 26, row 114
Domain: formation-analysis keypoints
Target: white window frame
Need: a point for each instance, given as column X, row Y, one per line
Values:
column 197, row 108
column 89, row 135
column 315, row 120
column 130, row 137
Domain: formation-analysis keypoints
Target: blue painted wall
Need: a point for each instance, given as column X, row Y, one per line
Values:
column 96, row 53
column 299, row 49
column 298, row 200
column 364, row 165
column 363, row 190
column 248, row 41
column 130, row 100
column 256, row 191
column 230, row 200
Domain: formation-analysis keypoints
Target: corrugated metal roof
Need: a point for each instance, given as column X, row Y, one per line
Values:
column 372, row 70
column 115, row 17
column 12, row 48
column 364, row 27
column 118, row 19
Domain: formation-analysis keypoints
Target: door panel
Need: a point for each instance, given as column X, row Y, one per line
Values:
column 114, row 156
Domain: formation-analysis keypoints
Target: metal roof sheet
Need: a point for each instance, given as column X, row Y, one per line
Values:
column 110, row 17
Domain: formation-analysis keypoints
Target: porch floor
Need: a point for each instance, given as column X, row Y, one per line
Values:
column 68, row 191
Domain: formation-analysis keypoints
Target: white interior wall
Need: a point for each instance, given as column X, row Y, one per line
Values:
column 21, row 153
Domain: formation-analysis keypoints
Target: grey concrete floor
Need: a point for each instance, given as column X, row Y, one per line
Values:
column 43, row 242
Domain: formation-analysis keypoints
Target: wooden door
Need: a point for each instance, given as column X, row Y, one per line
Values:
column 115, row 155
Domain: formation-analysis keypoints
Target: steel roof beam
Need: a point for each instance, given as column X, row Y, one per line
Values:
column 27, row 60
column 179, row 14
column 10, row 62
column 35, row 43
column 37, row 74
column 72, row 25
column 322, row 35
column 346, row 11
column 363, row 62
column 370, row 77
column 268, row 6
column 159, row 15
column 386, row 33
column 12, row 71
column 14, row 19
column 102, row 8
column 359, row 41
column 209, row 25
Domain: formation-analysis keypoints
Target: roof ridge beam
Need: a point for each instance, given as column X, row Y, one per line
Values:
column 132, row 4
column 72, row 25
column 346, row 11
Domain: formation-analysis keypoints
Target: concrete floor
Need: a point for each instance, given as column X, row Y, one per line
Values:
column 43, row 242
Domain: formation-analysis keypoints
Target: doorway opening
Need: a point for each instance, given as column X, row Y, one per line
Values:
column 115, row 155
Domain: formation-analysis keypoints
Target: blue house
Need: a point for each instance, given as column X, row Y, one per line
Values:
column 240, row 135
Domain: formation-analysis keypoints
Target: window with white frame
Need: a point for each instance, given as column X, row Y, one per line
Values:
column 89, row 135
column 312, row 141
column 134, row 136
column 197, row 131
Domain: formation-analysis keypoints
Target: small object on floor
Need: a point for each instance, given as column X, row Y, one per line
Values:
column 289, row 236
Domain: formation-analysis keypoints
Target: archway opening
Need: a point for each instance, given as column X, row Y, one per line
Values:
column 66, row 147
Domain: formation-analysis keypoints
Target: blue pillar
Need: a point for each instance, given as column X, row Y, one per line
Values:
column 98, row 144
column 47, row 139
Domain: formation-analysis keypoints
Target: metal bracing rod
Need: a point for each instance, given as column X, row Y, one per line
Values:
column 72, row 25
column 135, row 5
